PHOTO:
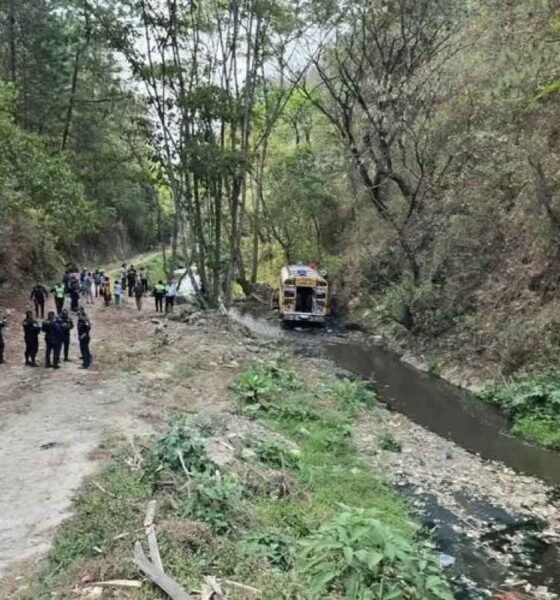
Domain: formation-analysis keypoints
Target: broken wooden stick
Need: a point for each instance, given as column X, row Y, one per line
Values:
column 157, row 576
column 151, row 535
column 249, row 590
column 212, row 589
column 122, row 583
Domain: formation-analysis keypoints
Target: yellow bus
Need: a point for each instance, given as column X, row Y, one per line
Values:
column 303, row 296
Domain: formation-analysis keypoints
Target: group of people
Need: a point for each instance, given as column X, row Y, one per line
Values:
column 76, row 284
column 131, row 279
column 135, row 283
column 56, row 328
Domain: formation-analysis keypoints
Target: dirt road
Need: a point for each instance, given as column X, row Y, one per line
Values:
column 51, row 422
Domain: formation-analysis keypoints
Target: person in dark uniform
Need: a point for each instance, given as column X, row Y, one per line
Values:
column 84, row 328
column 131, row 279
column 2, row 325
column 31, row 331
column 66, row 326
column 75, row 287
column 53, row 341
column 39, row 294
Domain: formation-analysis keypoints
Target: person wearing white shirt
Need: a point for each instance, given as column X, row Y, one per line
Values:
column 170, row 295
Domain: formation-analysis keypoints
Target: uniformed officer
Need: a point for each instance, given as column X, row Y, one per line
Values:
column 2, row 325
column 31, row 331
column 39, row 294
column 84, row 328
column 53, row 341
column 59, row 292
column 66, row 326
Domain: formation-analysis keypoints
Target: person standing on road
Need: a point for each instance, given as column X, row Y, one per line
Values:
column 39, row 294
column 138, row 294
column 124, row 275
column 84, row 328
column 87, row 287
column 170, row 295
column 131, row 279
column 144, row 279
column 97, row 281
column 53, row 341
column 31, row 331
column 117, row 292
column 75, row 286
column 2, row 326
column 59, row 293
column 66, row 326
column 105, row 292
column 159, row 295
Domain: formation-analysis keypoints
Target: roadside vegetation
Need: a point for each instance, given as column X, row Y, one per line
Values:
column 294, row 513
column 533, row 405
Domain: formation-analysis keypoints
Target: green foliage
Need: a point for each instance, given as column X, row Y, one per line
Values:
column 273, row 547
column 178, row 449
column 533, row 405
column 213, row 498
column 360, row 556
column 421, row 308
column 389, row 443
column 41, row 198
column 259, row 388
column 276, row 456
column 352, row 395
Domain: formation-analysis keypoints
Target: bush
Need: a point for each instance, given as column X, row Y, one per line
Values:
column 276, row 456
column 180, row 448
column 359, row 557
column 271, row 546
column 533, row 405
column 258, row 387
column 421, row 308
column 389, row 443
column 352, row 395
column 213, row 498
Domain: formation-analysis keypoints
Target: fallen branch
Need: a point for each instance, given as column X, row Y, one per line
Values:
column 102, row 489
column 158, row 577
column 260, row 300
column 151, row 535
column 212, row 589
column 122, row 583
column 254, row 592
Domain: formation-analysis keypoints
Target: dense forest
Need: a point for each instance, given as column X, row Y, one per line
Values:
column 410, row 148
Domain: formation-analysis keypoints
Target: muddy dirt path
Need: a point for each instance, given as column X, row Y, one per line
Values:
column 51, row 421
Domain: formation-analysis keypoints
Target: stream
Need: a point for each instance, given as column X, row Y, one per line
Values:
column 455, row 415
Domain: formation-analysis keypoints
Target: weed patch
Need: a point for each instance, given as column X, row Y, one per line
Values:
column 360, row 556
column 533, row 405
column 352, row 395
column 276, row 456
column 389, row 443
column 214, row 499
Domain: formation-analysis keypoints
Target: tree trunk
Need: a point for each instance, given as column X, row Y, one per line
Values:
column 12, row 34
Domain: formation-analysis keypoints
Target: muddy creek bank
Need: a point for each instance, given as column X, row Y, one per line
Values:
column 489, row 499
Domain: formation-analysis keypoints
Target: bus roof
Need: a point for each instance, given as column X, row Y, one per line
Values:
column 292, row 271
